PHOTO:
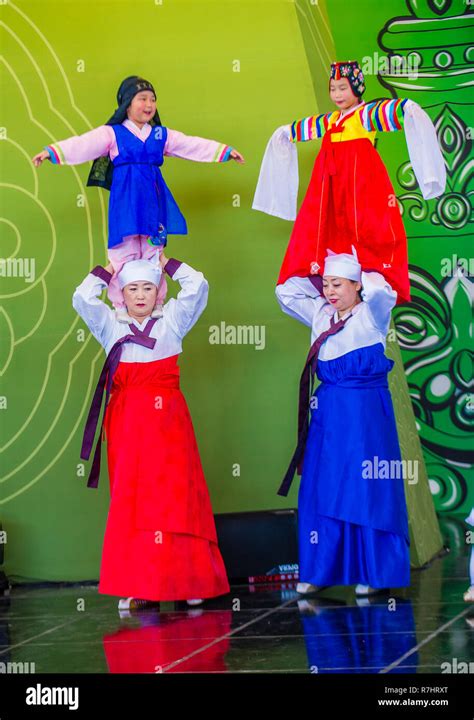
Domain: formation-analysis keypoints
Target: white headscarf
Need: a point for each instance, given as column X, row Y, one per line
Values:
column 343, row 265
column 139, row 270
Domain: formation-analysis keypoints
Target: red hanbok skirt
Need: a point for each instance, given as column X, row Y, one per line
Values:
column 160, row 541
column 350, row 201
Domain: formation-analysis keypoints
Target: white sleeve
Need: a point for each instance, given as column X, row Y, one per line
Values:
column 277, row 186
column 424, row 151
column 379, row 298
column 99, row 317
column 299, row 298
column 184, row 311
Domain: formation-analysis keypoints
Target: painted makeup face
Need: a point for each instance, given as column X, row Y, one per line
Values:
column 140, row 298
column 341, row 292
column 341, row 94
column 143, row 107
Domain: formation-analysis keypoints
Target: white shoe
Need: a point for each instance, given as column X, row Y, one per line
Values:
column 195, row 601
column 469, row 594
column 309, row 607
column 132, row 603
column 306, row 588
column 367, row 590
column 125, row 603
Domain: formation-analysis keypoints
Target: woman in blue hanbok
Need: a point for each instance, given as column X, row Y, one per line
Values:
column 352, row 516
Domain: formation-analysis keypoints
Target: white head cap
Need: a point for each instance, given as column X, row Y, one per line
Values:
column 139, row 270
column 343, row 265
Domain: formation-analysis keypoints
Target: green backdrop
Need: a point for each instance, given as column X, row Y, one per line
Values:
column 232, row 71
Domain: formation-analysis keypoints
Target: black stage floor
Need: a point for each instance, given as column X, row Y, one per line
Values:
column 427, row 628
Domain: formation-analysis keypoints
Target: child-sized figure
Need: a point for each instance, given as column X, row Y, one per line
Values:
column 352, row 515
column 350, row 199
column 128, row 152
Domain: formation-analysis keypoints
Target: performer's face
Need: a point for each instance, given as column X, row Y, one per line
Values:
column 142, row 108
column 341, row 292
column 140, row 298
column 341, row 94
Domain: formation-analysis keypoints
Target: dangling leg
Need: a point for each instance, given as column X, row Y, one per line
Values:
column 128, row 250
column 153, row 253
column 160, row 298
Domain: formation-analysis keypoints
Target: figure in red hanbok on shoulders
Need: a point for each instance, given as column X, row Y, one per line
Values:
column 160, row 541
column 350, row 200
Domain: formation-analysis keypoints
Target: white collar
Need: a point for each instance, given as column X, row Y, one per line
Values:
column 343, row 114
column 139, row 132
column 140, row 324
column 354, row 311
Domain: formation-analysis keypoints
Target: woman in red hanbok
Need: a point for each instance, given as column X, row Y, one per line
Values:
column 350, row 200
column 160, row 541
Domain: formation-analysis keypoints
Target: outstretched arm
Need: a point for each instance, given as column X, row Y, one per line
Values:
column 189, row 147
column 310, row 128
column 79, row 149
column 383, row 115
column 422, row 142
column 277, row 187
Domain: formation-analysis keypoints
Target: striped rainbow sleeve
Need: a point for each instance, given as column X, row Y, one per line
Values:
column 222, row 153
column 310, row 128
column 383, row 115
column 56, row 155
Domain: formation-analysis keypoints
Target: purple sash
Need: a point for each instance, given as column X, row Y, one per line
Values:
column 140, row 337
column 303, row 405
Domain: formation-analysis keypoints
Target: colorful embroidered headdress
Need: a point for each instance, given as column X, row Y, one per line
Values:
column 352, row 72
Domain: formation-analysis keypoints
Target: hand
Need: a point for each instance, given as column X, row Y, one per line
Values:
column 109, row 268
column 237, row 156
column 38, row 159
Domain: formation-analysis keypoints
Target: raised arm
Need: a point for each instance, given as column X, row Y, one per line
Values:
column 379, row 298
column 189, row 147
column 184, row 311
column 82, row 148
column 300, row 298
column 310, row 128
column 98, row 317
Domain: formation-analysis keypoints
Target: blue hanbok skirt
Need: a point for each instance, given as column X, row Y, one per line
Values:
column 352, row 515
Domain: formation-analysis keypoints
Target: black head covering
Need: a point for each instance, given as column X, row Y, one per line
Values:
column 102, row 168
